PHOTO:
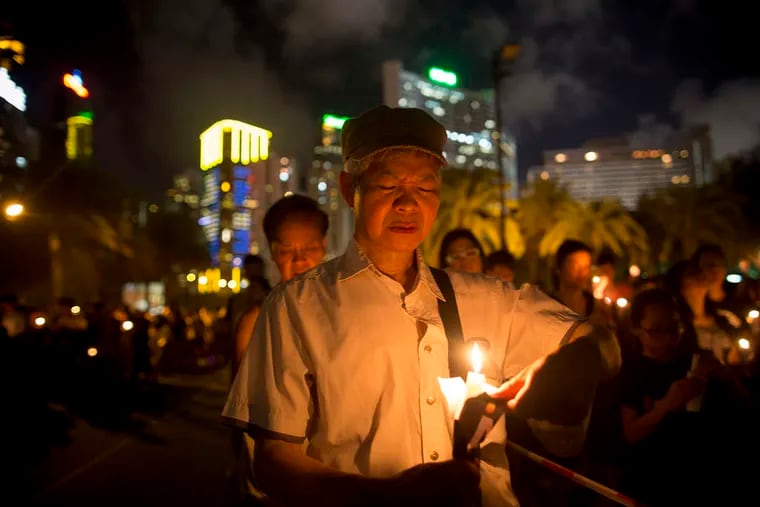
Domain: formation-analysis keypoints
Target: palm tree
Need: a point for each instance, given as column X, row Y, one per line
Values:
column 683, row 217
column 537, row 212
column 605, row 224
column 471, row 199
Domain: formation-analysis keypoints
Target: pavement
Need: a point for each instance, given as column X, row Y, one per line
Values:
column 171, row 449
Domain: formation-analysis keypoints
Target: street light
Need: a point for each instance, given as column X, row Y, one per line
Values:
column 14, row 210
column 503, row 59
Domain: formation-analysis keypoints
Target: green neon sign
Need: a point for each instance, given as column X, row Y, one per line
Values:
column 442, row 76
column 86, row 114
column 332, row 121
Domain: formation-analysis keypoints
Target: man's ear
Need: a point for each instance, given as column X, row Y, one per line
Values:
column 347, row 188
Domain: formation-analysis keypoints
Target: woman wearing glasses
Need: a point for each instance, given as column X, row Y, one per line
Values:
column 461, row 250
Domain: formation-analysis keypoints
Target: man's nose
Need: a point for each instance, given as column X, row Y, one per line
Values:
column 406, row 199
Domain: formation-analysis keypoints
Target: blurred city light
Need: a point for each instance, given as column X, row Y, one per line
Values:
column 734, row 278
column 74, row 82
column 333, row 121
column 442, row 76
column 11, row 92
column 14, row 210
column 127, row 325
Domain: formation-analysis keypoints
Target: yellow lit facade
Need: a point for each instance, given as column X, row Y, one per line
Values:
column 240, row 180
column 210, row 281
column 247, row 143
column 79, row 137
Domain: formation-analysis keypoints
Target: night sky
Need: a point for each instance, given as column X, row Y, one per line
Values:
column 162, row 71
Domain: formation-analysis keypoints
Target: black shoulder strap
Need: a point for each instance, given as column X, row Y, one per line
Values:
column 451, row 324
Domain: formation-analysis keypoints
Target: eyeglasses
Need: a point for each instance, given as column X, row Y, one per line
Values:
column 464, row 254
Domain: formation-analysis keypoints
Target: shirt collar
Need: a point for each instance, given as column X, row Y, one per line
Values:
column 354, row 261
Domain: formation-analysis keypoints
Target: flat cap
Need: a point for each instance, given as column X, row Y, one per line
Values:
column 382, row 128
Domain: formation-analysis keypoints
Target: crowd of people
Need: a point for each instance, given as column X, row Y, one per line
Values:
column 646, row 384
column 680, row 412
column 341, row 406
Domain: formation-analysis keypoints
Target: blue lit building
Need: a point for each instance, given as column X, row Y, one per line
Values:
column 240, row 180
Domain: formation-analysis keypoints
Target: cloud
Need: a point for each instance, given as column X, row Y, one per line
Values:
column 317, row 25
column 529, row 97
column 732, row 111
column 193, row 76
column 484, row 33
column 548, row 12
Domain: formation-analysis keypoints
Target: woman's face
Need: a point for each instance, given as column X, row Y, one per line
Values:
column 463, row 255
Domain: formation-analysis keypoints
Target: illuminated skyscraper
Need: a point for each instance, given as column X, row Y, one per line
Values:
column 16, row 137
column 323, row 186
column 626, row 169
column 240, row 181
column 468, row 115
column 79, row 118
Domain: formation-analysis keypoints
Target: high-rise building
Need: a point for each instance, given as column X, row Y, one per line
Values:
column 79, row 118
column 627, row 168
column 468, row 115
column 241, row 179
column 16, row 137
column 322, row 185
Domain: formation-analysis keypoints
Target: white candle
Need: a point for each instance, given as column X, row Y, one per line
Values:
column 457, row 392
column 475, row 379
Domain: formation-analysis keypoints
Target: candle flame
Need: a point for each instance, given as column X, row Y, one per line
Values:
column 477, row 358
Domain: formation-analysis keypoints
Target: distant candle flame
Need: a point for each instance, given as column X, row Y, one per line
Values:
column 477, row 358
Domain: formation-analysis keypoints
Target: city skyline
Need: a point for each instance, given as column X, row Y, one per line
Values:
column 160, row 73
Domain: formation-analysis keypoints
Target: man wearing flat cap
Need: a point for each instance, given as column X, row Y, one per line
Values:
column 339, row 386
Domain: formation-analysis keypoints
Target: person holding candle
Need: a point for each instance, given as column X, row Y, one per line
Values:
column 339, row 387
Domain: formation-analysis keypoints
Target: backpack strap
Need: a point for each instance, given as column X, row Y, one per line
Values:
column 452, row 326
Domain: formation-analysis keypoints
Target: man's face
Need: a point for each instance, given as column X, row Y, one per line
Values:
column 397, row 202
column 299, row 246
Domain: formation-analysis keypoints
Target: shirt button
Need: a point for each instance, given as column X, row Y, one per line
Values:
column 428, row 348
column 434, row 456
column 430, row 400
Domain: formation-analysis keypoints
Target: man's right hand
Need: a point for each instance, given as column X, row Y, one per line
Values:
column 453, row 483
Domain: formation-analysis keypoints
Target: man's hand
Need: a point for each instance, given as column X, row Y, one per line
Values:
column 515, row 388
column 455, row 483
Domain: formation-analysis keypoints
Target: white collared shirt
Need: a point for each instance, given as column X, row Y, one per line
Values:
column 335, row 360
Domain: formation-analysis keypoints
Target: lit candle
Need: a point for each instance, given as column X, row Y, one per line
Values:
column 475, row 380
column 457, row 391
